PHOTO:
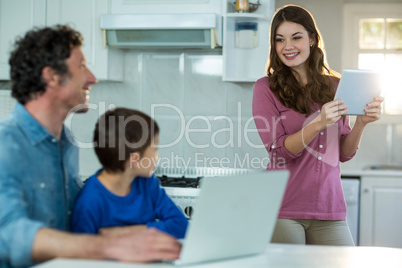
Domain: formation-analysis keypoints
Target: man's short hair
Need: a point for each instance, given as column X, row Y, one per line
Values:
column 38, row 48
column 121, row 132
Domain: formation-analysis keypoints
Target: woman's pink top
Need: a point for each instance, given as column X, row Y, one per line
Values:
column 314, row 189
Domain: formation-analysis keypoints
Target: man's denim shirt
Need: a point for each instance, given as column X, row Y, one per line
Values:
column 38, row 184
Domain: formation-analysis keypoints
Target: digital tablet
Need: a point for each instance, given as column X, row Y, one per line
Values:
column 357, row 88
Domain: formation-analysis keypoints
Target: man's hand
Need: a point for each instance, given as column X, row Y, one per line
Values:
column 126, row 230
column 139, row 244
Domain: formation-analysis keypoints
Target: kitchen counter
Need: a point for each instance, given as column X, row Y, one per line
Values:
column 371, row 172
column 276, row 255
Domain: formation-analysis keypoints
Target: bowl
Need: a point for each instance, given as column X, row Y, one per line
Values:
column 252, row 6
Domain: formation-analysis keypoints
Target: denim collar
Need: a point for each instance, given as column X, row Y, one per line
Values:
column 33, row 130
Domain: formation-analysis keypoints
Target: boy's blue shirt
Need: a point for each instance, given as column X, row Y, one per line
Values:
column 147, row 203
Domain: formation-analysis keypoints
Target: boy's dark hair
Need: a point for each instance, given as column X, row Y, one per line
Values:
column 121, row 132
column 40, row 47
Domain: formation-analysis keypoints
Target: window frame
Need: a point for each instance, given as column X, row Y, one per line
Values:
column 352, row 13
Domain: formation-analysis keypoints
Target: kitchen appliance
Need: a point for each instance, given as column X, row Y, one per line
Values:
column 167, row 31
column 351, row 191
column 182, row 184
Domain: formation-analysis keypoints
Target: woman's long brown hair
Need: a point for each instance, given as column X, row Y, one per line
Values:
column 283, row 82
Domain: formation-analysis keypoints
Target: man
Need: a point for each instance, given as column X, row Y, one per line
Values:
column 39, row 166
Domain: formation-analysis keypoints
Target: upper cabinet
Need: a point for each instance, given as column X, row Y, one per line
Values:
column 245, row 36
column 246, row 41
column 166, row 6
column 84, row 15
column 16, row 17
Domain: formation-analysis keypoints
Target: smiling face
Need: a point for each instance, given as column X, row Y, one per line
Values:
column 75, row 87
column 292, row 44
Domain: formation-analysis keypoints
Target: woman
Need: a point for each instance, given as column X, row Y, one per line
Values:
column 306, row 132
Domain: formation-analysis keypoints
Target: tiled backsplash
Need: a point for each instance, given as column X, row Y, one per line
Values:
column 204, row 121
column 6, row 102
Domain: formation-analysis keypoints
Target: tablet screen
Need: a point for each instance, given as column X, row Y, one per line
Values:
column 357, row 88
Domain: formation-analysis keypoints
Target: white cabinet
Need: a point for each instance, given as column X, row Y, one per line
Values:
column 16, row 17
column 166, row 6
column 84, row 15
column 246, row 64
column 380, row 211
column 239, row 64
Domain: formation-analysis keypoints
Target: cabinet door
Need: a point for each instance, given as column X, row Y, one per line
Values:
column 84, row 16
column 246, row 64
column 16, row 17
column 380, row 215
column 167, row 6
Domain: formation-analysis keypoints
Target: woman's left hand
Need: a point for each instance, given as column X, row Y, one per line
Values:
column 373, row 112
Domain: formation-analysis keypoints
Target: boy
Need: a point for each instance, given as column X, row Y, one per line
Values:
column 125, row 191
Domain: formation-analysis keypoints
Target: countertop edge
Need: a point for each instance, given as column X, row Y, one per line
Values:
column 371, row 172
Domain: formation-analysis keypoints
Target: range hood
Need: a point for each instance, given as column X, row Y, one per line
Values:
column 162, row 31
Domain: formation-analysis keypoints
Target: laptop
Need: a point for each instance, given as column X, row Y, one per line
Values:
column 357, row 88
column 234, row 216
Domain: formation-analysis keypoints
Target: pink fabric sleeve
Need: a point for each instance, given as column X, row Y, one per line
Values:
column 345, row 131
column 268, row 121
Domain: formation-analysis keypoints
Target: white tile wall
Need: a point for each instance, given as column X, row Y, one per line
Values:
column 204, row 91
column 396, row 154
column 239, row 99
column 170, row 139
column 162, row 77
column 204, row 143
column 6, row 103
column 372, row 150
column 247, row 150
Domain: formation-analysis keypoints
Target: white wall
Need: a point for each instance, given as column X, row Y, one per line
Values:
column 190, row 89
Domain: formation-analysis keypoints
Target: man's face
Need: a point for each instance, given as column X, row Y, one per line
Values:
column 75, row 87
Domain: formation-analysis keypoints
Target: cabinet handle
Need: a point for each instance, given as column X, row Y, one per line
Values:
column 366, row 190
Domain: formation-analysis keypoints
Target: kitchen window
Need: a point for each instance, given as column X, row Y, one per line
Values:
column 373, row 40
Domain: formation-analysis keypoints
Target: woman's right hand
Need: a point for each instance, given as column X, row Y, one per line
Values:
column 330, row 113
